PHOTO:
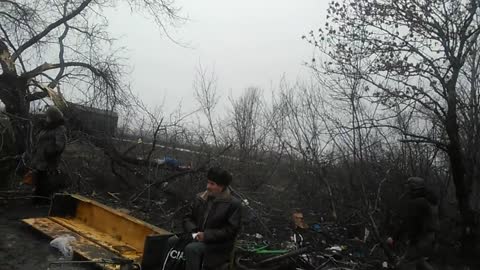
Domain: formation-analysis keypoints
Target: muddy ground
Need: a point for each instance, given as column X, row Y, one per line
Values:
column 22, row 248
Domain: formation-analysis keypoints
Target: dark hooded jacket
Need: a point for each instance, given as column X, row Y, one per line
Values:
column 50, row 142
column 419, row 213
column 220, row 219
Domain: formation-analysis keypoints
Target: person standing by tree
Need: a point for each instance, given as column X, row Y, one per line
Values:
column 420, row 223
column 47, row 150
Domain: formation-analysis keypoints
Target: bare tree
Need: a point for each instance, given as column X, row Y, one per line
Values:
column 247, row 113
column 249, row 128
column 47, row 43
column 306, row 137
column 205, row 86
column 469, row 119
column 416, row 51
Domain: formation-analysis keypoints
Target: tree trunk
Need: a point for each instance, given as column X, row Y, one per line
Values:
column 459, row 171
column 13, row 90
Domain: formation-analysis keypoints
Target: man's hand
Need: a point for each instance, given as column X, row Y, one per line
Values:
column 200, row 237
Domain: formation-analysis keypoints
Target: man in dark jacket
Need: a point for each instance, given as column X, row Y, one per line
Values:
column 214, row 221
column 47, row 150
column 420, row 224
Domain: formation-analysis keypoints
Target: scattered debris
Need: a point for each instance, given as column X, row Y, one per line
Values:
column 63, row 244
column 335, row 248
column 258, row 236
column 114, row 195
column 316, row 227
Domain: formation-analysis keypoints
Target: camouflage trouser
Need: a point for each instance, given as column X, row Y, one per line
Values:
column 415, row 258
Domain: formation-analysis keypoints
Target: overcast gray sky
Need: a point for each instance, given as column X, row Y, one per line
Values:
column 248, row 42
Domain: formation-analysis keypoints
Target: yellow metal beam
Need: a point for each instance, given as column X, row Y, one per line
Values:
column 101, row 231
column 105, row 240
column 82, row 246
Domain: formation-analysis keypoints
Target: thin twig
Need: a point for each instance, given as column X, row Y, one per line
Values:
column 200, row 168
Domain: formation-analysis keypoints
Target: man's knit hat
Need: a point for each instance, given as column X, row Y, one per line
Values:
column 219, row 176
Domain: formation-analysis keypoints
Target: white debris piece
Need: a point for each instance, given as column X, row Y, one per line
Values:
column 63, row 244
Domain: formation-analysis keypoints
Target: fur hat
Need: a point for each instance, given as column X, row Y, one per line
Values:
column 219, row 176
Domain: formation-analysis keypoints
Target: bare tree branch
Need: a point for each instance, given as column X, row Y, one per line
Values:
column 49, row 28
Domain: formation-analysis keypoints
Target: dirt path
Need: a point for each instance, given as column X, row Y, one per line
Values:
column 22, row 248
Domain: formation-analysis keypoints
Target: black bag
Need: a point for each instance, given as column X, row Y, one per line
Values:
column 175, row 259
